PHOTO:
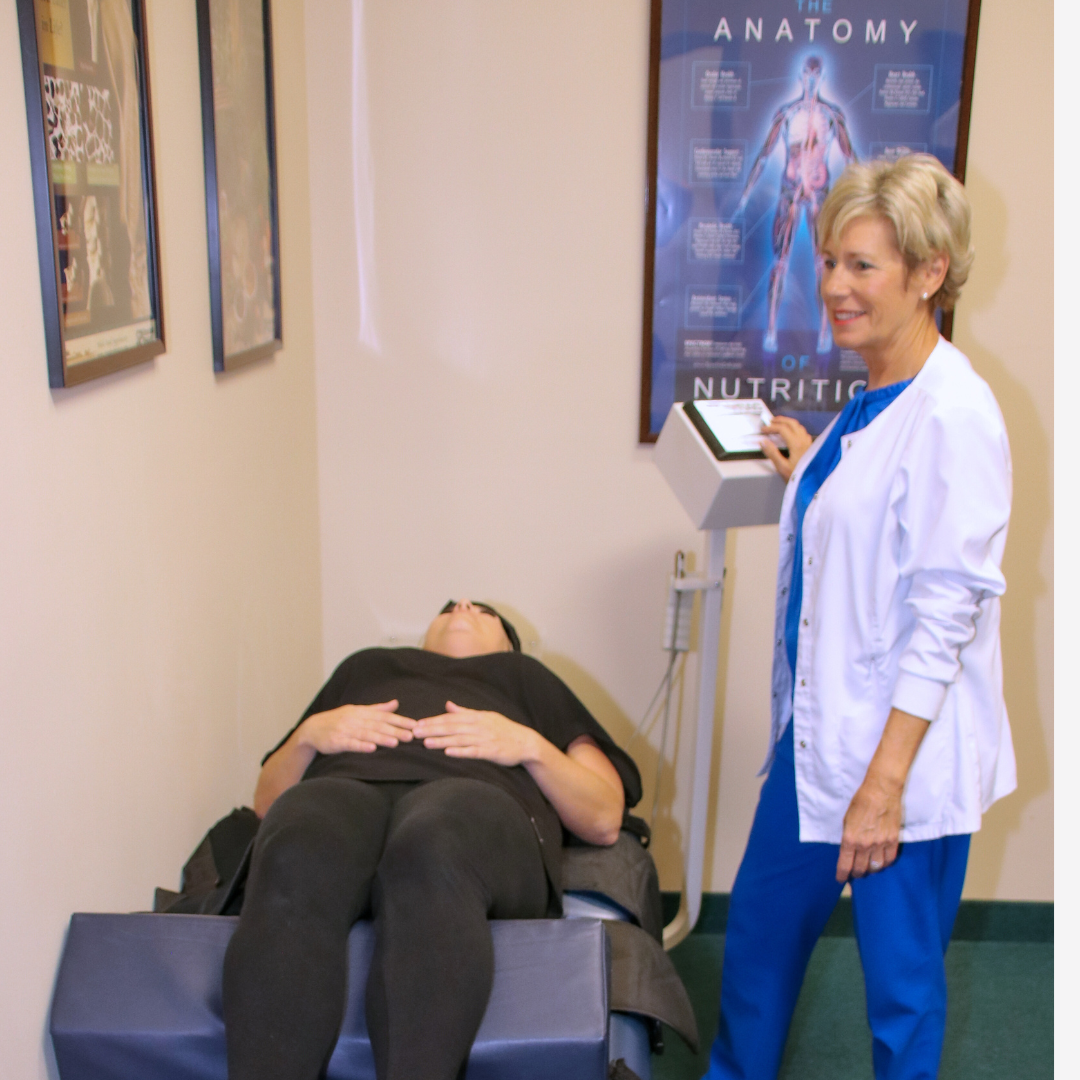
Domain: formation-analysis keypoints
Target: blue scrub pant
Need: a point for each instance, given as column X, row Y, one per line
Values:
column 783, row 895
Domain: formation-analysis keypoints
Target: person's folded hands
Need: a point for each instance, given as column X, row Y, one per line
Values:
column 474, row 733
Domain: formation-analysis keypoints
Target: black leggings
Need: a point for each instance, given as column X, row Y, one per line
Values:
column 431, row 863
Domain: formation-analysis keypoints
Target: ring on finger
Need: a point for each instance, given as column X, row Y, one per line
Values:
column 875, row 865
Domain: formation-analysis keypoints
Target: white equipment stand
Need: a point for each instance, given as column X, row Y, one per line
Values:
column 718, row 495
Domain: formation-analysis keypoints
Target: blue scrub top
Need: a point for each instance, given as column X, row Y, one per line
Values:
column 857, row 413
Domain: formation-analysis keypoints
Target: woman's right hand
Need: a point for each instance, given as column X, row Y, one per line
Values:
column 795, row 436
column 356, row 729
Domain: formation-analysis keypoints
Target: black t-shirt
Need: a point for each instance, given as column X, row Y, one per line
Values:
column 510, row 683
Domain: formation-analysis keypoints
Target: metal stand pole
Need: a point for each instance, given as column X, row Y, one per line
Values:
column 711, row 605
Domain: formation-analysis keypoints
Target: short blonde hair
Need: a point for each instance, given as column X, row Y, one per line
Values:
column 926, row 205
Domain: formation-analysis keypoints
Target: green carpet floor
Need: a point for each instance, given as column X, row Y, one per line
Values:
column 1000, row 1023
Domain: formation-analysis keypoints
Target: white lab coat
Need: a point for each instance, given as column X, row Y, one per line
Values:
column 902, row 552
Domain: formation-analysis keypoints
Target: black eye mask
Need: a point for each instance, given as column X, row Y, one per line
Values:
column 508, row 627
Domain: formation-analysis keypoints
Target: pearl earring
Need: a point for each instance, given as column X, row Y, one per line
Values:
column 926, row 296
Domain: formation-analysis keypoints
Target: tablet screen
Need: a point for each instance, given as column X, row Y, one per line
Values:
column 731, row 428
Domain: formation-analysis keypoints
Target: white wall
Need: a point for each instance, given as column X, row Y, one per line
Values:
column 477, row 427
column 1004, row 322
column 486, row 443
column 159, row 608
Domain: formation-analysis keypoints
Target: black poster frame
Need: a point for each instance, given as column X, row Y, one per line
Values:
column 215, row 159
column 63, row 371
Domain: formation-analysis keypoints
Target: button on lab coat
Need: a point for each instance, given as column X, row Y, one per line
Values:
column 902, row 550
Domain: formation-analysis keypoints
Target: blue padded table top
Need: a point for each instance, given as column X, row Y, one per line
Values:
column 139, row 996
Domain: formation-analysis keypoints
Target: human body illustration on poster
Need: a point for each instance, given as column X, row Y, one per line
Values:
column 760, row 105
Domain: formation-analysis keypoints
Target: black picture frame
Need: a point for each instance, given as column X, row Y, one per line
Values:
column 239, row 148
column 673, row 38
column 85, row 75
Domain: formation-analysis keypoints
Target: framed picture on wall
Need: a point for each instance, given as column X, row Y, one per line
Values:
column 92, row 165
column 236, row 67
column 755, row 107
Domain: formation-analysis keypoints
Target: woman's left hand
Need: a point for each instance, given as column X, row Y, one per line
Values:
column 472, row 733
column 871, row 830
column 873, row 820
column 581, row 784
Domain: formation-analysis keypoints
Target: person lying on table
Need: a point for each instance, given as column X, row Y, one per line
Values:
column 426, row 789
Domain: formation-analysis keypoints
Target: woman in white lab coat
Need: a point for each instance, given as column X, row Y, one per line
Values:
column 889, row 733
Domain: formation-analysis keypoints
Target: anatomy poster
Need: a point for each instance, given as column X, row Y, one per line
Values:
column 762, row 103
